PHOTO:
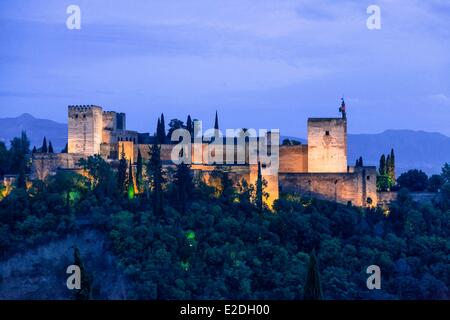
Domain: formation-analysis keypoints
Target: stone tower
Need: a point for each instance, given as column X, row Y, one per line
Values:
column 85, row 129
column 327, row 145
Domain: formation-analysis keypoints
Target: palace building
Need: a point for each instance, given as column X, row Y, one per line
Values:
column 317, row 169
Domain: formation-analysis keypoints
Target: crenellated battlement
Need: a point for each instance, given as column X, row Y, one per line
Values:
column 83, row 108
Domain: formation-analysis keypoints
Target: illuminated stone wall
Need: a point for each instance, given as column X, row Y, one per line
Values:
column 358, row 187
column 327, row 145
column 85, row 129
column 294, row 158
column 128, row 148
column 45, row 164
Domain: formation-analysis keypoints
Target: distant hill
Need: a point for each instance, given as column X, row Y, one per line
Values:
column 413, row 149
column 36, row 130
column 422, row 150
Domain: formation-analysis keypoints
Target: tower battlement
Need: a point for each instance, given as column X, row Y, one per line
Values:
column 83, row 108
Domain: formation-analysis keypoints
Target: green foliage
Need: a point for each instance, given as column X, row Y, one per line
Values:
column 446, row 172
column 183, row 186
column 384, row 183
column 85, row 291
column 122, row 185
column 139, row 172
column 382, row 167
column 435, row 183
column 156, row 179
column 175, row 124
column 313, row 289
column 223, row 247
column 44, row 148
column 413, row 180
column 103, row 178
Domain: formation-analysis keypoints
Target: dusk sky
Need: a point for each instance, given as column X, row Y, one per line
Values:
column 261, row 64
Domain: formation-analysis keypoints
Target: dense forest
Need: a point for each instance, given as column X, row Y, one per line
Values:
column 179, row 238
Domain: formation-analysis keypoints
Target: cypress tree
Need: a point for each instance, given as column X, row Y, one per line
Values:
column 184, row 185
column 50, row 147
column 22, row 179
column 122, row 173
column 190, row 126
column 216, row 122
column 34, row 150
column 163, row 129
column 139, row 177
column 84, row 293
column 382, row 168
column 158, row 130
column 130, row 183
column 392, row 166
column 66, row 149
column 44, row 146
column 313, row 290
column 156, row 179
column 361, row 164
column 259, row 190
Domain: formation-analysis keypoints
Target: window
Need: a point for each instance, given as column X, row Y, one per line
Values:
column 327, row 133
column 368, row 178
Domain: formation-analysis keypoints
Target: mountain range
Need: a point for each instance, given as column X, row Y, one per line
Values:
column 427, row 151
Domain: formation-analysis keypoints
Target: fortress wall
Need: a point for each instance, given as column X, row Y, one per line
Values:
column 294, row 158
column 45, row 164
column 126, row 147
column 327, row 145
column 85, row 129
column 109, row 120
column 339, row 187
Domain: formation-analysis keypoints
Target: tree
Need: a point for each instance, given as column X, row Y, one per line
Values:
column 382, row 168
column 122, row 173
column 259, row 190
column 66, row 149
column 130, row 184
column 190, row 126
column 34, row 150
column 156, row 179
column 446, row 172
column 50, row 147
column 44, row 148
column 84, row 293
column 163, row 129
column 139, row 173
column 103, row 179
column 435, row 183
column 391, row 166
column 4, row 159
column 158, row 131
column 20, row 148
column 184, row 185
column 313, row 290
column 174, row 124
column 216, row 122
column 22, row 179
column 413, row 180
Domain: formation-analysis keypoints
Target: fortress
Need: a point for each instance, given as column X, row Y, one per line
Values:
column 317, row 169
